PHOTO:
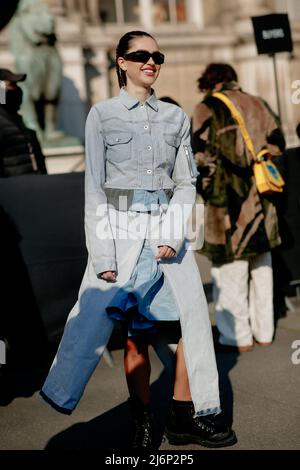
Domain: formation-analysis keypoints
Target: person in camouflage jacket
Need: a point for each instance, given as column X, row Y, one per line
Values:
column 240, row 226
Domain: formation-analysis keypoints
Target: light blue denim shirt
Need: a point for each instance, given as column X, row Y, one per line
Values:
column 148, row 201
column 136, row 146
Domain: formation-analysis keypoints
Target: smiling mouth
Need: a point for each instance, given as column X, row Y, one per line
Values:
column 149, row 71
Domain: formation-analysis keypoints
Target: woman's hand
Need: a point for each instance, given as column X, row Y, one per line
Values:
column 165, row 251
column 109, row 276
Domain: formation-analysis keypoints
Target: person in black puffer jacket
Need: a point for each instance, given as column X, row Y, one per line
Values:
column 20, row 151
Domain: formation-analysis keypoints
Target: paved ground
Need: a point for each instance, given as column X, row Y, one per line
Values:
column 260, row 389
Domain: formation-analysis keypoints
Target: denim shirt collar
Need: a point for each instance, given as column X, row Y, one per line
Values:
column 130, row 101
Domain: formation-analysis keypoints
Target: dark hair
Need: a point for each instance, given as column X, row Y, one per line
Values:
column 168, row 99
column 122, row 48
column 298, row 130
column 216, row 73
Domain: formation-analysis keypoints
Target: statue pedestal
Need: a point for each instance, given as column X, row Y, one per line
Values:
column 64, row 159
column 59, row 140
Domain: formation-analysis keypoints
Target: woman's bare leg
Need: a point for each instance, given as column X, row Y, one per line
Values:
column 137, row 368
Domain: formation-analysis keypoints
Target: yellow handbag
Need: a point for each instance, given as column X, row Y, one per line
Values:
column 267, row 177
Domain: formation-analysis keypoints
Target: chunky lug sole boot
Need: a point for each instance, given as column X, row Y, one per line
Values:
column 182, row 428
column 143, row 425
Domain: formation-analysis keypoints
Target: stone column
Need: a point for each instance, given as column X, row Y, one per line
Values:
column 244, row 10
column 56, row 7
column 195, row 12
column 98, row 74
column 146, row 14
column 93, row 12
column 76, row 8
column 240, row 11
column 247, row 8
column 228, row 13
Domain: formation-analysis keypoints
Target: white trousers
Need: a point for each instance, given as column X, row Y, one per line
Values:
column 243, row 297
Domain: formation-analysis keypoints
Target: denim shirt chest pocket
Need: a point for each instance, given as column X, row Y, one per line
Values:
column 170, row 146
column 118, row 145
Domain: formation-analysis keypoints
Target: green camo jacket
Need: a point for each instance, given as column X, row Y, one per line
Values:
column 239, row 223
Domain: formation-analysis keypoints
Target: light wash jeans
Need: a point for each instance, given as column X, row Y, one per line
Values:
column 243, row 296
column 88, row 328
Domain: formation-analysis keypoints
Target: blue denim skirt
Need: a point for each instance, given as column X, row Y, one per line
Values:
column 146, row 298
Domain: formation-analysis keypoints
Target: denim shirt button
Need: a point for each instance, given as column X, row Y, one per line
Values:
column 149, row 172
column 146, row 127
column 149, row 147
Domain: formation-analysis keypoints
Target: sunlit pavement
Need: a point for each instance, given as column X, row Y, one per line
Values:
column 260, row 389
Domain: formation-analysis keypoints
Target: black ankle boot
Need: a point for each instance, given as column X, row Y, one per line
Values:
column 143, row 425
column 183, row 428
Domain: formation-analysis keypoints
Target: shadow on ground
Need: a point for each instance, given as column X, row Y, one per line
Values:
column 23, row 380
column 113, row 430
column 226, row 361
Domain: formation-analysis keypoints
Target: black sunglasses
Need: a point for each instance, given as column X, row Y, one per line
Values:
column 144, row 56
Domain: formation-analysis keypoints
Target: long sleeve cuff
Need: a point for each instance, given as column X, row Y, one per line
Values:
column 175, row 244
column 108, row 264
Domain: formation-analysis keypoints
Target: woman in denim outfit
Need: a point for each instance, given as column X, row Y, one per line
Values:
column 139, row 193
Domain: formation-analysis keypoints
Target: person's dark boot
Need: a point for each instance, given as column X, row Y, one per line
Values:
column 143, row 425
column 183, row 428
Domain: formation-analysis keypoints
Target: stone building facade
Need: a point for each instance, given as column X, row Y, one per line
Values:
column 191, row 33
